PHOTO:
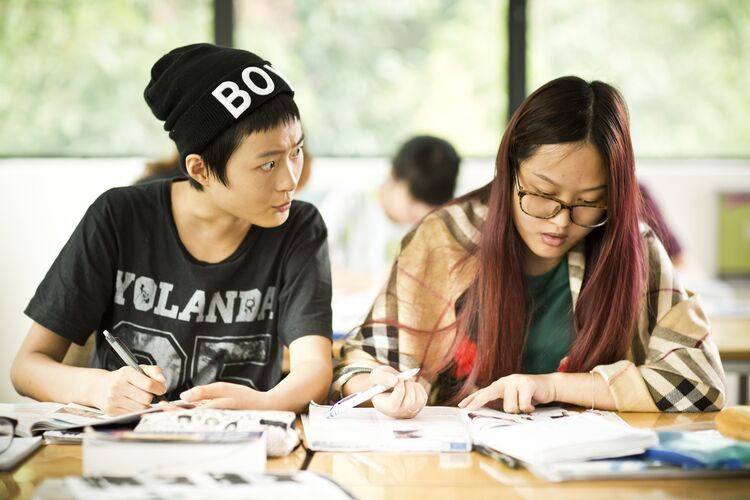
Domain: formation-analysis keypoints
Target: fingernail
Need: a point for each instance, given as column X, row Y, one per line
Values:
column 185, row 396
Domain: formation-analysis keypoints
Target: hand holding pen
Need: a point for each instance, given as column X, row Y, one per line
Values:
column 392, row 393
column 132, row 387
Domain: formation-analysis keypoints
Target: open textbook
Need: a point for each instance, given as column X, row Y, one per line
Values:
column 436, row 428
column 547, row 435
column 578, row 437
column 36, row 418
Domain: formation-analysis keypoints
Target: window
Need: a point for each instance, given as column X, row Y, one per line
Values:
column 682, row 66
column 368, row 74
column 73, row 73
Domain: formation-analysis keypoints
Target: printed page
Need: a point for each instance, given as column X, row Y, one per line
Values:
column 212, row 420
column 282, row 436
column 27, row 414
column 484, row 419
column 72, row 416
column 35, row 418
column 436, row 428
column 585, row 436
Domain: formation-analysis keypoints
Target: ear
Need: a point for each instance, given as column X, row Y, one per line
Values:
column 197, row 169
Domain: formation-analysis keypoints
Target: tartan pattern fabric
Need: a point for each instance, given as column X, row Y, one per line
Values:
column 672, row 366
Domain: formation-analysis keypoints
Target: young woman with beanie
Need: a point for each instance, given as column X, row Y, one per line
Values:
column 204, row 279
column 542, row 286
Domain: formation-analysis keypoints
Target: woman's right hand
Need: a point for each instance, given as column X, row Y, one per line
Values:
column 125, row 390
column 405, row 399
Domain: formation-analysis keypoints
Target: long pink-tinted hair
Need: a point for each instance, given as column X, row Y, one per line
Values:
column 494, row 307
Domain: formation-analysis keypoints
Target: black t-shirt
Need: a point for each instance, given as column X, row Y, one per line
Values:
column 125, row 270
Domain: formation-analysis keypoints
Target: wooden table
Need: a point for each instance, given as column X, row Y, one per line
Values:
column 59, row 460
column 469, row 475
column 454, row 476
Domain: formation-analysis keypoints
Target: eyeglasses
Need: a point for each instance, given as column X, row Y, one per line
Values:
column 543, row 206
column 7, row 429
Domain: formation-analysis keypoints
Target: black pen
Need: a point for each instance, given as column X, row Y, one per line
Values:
column 124, row 353
column 496, row 455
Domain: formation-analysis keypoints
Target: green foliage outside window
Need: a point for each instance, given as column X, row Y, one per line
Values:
column 368, row 74
column 682, row 65
column 72, row 73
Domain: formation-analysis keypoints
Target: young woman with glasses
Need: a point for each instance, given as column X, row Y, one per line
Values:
column 541, row 286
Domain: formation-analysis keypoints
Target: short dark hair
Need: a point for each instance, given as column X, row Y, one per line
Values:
column 279, row 110
column 429, row 165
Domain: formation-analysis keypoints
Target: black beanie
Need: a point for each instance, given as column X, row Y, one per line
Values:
column 201, row 90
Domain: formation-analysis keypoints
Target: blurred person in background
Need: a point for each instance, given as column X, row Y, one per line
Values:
column 365, row 228
column 423, row 177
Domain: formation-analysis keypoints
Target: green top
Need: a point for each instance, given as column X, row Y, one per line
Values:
column 551, row 329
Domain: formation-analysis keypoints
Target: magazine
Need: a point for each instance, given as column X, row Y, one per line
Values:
column 36, row 418
column 281, row 434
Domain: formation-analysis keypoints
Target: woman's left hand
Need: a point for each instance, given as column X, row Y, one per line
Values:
column 519, row 393
column 225, row 395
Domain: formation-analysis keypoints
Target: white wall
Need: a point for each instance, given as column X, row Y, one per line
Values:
column 41, row 202
column 43, row 199
column 687, row 195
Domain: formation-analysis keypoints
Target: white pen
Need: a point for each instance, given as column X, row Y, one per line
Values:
column 357, row 398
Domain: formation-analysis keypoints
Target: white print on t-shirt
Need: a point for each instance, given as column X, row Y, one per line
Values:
column 231, row 306
column 211, row 356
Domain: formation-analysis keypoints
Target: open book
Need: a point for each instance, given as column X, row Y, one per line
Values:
column 36, row 418
column 546, row 435
column 436, row 428
column 578, row 437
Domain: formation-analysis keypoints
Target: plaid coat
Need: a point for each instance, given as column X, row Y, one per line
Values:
column 672, row 364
